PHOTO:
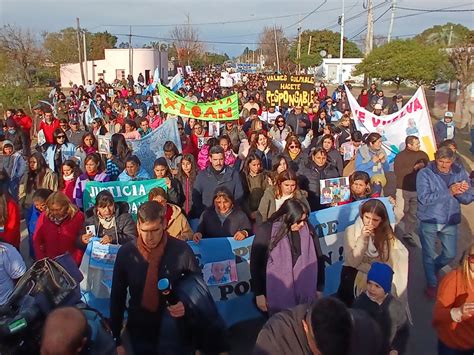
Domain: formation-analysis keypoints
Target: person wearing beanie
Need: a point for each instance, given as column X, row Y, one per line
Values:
column 16, row 135
column 385, row 309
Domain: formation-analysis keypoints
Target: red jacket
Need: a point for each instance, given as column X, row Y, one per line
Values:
column 25, row 123
column 11, row 233
column 69, row 189
column 48, row 129
column 51, row 240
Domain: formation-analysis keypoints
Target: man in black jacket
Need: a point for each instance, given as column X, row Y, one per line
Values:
column 325, row 327
column 152, row 326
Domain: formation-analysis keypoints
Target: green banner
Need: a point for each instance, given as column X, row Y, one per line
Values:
column 133, row 192
column 226, row 109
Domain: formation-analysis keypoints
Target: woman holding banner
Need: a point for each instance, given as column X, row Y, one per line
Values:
column 108, row 220
column 286, row 262
column 372, row 239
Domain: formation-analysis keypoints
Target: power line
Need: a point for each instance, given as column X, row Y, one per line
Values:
column 309, row 14
column 378, row 18
column 434, row 10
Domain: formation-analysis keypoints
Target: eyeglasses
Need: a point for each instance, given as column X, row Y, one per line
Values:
column 280, row 121
column 180, row 129
column 61, row 137
column 293, row 146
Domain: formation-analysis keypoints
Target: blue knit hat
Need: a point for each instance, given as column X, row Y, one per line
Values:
column 381, row 274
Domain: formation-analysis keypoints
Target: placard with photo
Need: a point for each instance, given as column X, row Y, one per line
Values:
column 220, row 272
column 335, row 190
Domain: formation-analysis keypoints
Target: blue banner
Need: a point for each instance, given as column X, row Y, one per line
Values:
column 150, row 147
column 234, row 297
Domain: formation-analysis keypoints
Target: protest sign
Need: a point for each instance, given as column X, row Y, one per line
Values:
column 133, row 192
column 226, row 109
column 334, row 190
column 97, row 268
column 103, row 144
column 290, row 90
column 413, row 119
column 150, row 147
column 234, row 299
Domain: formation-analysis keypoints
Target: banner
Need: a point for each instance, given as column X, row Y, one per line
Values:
column 133, row 192
column 226, row 109
column 413, row 119
column 233, row 295
column 290, row 90
column 150, row 147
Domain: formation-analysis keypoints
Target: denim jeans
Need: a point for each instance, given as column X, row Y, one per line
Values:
column 443, row 349
column 432, row 263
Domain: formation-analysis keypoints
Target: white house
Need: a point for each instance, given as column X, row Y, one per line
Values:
column 330, row 69
column 116, row 66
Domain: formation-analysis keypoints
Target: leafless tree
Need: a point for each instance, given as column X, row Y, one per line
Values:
column 23, row 50
column 186, row 41
column 267, row 44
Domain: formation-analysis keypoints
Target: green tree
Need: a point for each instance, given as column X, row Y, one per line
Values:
column 326, row 40
column 61, row 47
column 443, row 35
column 97, row 42
column 409, row 60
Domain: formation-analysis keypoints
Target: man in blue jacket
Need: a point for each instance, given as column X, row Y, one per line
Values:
column 217, row 174
column 442, row 186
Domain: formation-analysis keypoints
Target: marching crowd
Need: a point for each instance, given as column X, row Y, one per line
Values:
column 258, row 176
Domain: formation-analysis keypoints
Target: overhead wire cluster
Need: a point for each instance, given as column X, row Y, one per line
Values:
column 302, row 17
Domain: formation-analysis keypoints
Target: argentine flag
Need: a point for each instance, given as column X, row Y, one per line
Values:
column 176, row 82
column 156, row 79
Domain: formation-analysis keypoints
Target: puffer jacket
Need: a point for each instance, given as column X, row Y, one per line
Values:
column 124, row 231
column 435, row 202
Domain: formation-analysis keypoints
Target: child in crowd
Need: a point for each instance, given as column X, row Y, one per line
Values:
column 39, row 205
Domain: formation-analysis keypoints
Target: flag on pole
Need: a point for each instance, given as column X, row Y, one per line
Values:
column 176, row 82
column 156, row 79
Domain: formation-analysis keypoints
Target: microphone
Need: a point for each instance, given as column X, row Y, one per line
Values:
column 166, row 291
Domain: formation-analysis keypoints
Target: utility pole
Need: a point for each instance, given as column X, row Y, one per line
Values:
column 130, row 54
column 369, row 39
column 341, row 47
column 86, row 71
column 309, row 44
column 276, row 48
column 450, row 36
column 79, row 50
column 298, row 53
column 392, row 17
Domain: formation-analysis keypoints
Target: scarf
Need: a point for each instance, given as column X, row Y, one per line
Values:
column 68, row 178
column 288, row 285
column 151, row 296
column 107, row 223
column 293, row 156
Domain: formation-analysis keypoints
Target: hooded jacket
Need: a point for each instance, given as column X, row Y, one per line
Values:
column 441, row 130
column 435, row 202
column 124, row 231
column 141, row 175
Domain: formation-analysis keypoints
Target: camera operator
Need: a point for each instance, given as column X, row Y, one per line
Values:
column 138, row 267
column 84, row 333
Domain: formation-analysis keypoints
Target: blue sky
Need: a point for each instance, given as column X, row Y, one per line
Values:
column 100, row 15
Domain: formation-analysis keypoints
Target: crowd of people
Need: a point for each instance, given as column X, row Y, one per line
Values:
column 259, row 175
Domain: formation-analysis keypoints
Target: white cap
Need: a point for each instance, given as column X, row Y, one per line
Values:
column 377, row 107
column 448, row 114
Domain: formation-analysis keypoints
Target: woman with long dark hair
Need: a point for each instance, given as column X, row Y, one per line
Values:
column 254, row 182
column 88, row 146
column 38, row 176
column 94, row 171
column 372, row 158
column 119, row 152
column 360, row 188
column 263, row 147
column 60, row 151
column 172, row 156
column 187, row 173
column 372, row 239
column 286, row 263
column 175, row 190
column 70, row 171
column 294, row 152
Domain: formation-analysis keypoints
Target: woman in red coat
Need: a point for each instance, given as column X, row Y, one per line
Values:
column 58, row 228
column 9, row 214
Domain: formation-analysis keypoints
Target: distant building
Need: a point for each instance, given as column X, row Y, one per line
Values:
column 329, row 70
column 116, row 66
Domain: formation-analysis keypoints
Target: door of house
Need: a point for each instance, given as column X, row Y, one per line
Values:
column 120, row 74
